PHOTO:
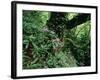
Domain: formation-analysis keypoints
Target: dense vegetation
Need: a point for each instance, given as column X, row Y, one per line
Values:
column 56, row 39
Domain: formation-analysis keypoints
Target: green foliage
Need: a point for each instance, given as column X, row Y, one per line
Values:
column 47, row 43
column 71, row 16
column 34, row 19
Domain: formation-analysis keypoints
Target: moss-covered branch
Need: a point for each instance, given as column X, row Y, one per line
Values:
column 74, row 44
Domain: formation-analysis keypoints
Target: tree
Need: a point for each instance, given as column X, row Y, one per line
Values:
column 56, row 39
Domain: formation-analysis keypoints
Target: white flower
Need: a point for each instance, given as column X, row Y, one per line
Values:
column 46, row 30
column 56, row 40
column 52, row 32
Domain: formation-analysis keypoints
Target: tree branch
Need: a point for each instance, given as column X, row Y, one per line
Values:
column 81, row 18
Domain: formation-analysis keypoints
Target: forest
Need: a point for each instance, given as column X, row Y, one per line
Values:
column 56, row 39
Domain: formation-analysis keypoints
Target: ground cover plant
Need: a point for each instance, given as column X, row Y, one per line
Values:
column 56, row 39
